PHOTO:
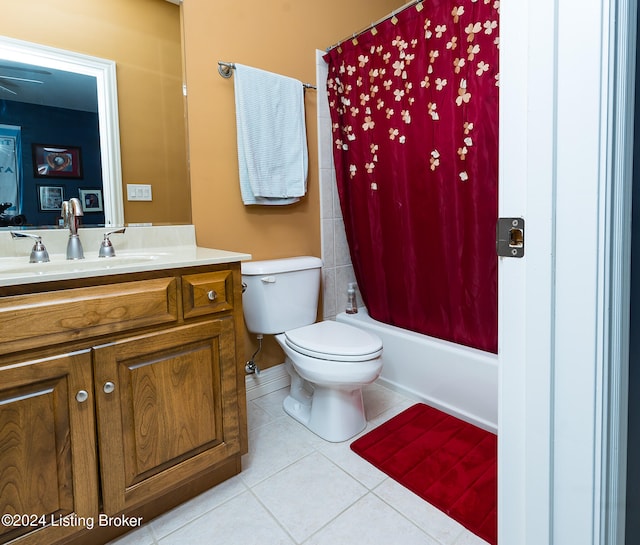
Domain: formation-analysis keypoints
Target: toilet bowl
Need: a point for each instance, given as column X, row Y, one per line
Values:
column 329, row 363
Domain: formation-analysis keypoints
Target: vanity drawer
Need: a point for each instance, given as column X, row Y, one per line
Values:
column 207, row 293
column 42, row 319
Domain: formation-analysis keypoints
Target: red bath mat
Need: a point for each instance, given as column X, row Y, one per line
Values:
column 448, row 462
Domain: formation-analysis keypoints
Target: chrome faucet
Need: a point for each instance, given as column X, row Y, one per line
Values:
column 106, row 248
column 39, row 253
column 71, row 211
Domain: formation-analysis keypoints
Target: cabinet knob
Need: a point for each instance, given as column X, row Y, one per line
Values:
column 109, row 387
column 82, row 396
column 212, row 295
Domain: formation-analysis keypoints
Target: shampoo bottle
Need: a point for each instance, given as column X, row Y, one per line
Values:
column 352, row 306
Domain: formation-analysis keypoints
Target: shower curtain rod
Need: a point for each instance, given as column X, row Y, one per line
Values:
column 225, row 70
column 381, row 20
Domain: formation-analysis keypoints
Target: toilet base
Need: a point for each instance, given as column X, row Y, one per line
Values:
column 335, row 414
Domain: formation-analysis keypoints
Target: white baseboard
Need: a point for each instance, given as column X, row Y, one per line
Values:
column 271, row 379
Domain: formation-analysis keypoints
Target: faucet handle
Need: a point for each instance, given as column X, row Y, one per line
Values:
column 106, row 248
column 39, row 253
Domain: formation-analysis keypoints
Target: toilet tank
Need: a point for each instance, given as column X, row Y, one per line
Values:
column 280, row 294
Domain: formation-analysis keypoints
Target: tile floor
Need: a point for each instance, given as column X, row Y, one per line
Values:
column 296, row 488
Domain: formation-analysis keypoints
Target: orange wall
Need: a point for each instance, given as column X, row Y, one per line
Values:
column 279, row 36
column 144, row 38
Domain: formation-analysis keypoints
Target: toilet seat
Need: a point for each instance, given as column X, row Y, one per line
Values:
column 334, row 341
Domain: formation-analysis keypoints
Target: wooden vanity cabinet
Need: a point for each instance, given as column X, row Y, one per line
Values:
column 166, row 405
column 127, row 404
column 48, row 465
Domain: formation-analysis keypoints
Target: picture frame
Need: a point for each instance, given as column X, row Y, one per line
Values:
column 91, row 200
column 53, row 161
column 50, row 198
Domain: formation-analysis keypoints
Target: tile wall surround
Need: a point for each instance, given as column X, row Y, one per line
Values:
column 337, row 271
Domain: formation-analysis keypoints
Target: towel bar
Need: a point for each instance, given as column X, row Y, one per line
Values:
column 225, row 69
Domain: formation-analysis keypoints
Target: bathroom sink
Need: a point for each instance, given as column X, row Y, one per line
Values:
column 141, row 250
column 58, row 264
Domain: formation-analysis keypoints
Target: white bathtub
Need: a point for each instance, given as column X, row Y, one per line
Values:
column 456, row 379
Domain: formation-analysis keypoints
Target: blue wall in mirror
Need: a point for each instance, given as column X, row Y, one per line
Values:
column 44, row 125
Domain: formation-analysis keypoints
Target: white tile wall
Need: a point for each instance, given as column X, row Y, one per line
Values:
column 337, row 271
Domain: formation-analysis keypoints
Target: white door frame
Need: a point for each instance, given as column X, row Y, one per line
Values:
column 565, row 167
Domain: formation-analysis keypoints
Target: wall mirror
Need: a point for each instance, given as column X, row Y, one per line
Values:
column 52, row 167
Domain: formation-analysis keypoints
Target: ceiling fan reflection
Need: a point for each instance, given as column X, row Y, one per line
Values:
column 9, row 83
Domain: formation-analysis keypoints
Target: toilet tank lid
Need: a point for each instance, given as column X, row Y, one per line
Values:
column 287, row 264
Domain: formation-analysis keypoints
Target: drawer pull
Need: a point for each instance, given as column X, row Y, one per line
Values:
column 109, row 387
column 212, row 295
column 82, row 396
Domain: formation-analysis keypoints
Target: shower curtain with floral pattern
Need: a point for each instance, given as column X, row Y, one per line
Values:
column 414, row 110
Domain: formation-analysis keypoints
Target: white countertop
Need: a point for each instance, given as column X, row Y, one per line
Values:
column 139, row 249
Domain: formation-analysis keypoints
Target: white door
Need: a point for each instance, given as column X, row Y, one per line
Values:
column 557, row 126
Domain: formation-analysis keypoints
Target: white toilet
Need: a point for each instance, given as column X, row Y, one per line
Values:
column 329, row 362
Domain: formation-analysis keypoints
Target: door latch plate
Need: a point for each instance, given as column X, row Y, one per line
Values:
column 510, row 237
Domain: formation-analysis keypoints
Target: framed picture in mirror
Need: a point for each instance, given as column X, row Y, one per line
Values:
column 51, row 161
column 50, row 198
column 91, row 200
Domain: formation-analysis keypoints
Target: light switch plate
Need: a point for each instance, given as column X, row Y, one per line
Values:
column 139, row 192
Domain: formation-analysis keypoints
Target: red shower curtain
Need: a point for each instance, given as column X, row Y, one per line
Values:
column 414, row 108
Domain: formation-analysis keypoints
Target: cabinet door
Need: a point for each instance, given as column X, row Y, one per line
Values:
column 166, row 408
column 48, row 469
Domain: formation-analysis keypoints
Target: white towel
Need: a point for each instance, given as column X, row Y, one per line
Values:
column 272, row 140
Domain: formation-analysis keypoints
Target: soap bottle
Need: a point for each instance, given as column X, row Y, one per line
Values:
column 352, row 306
